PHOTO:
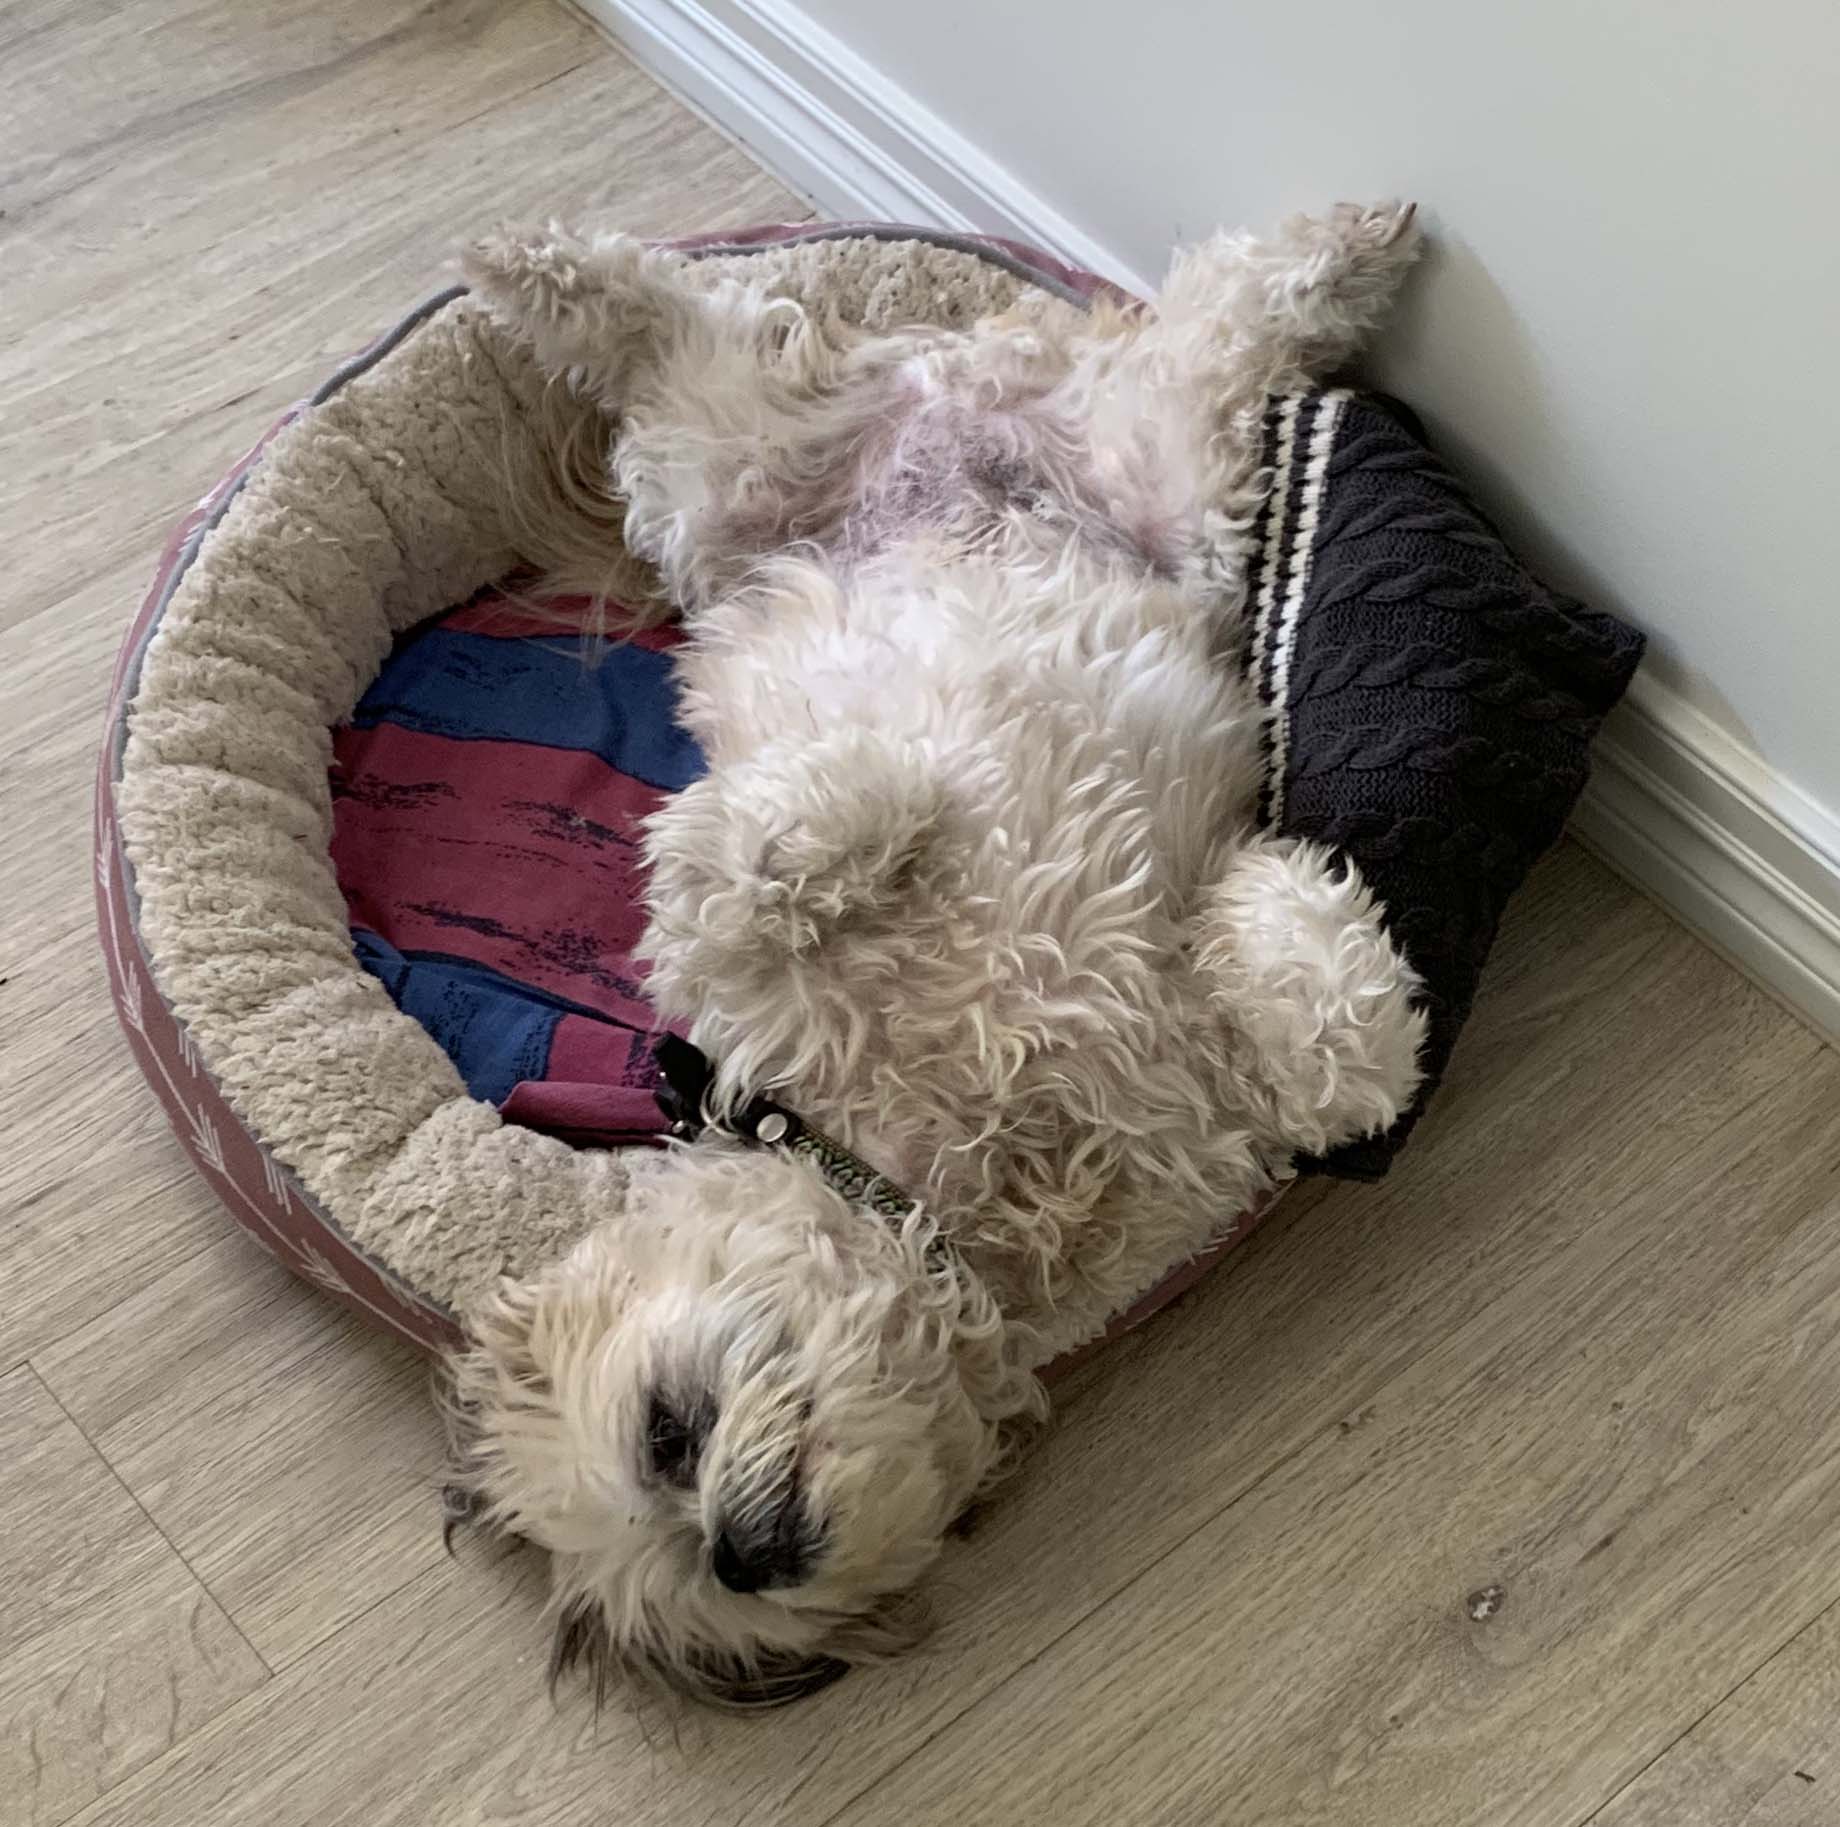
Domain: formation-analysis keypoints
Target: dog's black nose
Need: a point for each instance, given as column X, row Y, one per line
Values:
column 777, row 1551
column 736, row 1570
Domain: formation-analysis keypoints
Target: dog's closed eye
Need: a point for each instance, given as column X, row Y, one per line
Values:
column 674, row 1441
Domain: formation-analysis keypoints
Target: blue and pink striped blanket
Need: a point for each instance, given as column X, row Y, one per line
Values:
column 487, row 795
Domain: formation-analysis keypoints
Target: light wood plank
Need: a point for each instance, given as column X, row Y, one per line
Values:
column 1247, row 1375
column 110, row 1651
column 1521, row 1569
column 1768, row 1756
column 289, row 1451
column 102, row 1200
column 232, row 197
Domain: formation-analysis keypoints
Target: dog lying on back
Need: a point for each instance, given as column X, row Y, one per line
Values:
column 972, row 885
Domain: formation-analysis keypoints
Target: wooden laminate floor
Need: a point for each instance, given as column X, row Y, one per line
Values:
column 1505, row 1492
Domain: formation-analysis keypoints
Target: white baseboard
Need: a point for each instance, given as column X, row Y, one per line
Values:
column 1703, row 825
column 834, row 128
column 1676, row 805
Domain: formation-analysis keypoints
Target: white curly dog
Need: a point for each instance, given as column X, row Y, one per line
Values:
column 972, row 885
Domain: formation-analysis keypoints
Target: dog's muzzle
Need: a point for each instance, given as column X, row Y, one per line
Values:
column 766, row 1538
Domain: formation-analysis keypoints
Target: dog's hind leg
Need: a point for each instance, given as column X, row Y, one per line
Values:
column 1317, row 1007
column 1256, row 315
column 629, row 324
column 1177, row 397
column 712, row 385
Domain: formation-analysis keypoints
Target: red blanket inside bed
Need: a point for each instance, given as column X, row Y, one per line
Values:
column 487, row 795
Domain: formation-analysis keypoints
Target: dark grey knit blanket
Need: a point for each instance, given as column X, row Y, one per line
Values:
column 1431, row 703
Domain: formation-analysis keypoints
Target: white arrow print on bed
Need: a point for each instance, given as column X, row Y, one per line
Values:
column 313, row 1264
column 129, row 996
column 274, row 1177
column 204, row 1140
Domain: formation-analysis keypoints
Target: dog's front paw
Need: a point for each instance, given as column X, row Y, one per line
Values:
column 772, row 857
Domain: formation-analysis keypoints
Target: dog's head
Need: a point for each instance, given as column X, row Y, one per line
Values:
column 741, row 1417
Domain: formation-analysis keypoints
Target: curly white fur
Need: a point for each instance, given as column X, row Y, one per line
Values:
column 972, row 882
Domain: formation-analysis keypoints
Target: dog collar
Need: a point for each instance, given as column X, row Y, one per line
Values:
column 686, row 1074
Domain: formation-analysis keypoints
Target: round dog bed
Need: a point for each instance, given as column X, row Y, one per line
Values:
column 364, row 818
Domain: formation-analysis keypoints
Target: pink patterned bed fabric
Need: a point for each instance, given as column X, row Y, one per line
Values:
column 487, row 795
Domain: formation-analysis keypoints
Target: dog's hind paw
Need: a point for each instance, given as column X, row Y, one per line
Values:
column 1374, row 226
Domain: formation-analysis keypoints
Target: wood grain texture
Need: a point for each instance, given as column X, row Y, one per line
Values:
column 290, row 1452
column 1576, row 1348
column 206, row 206
column 1768, row 1756
column 1296, row 1349
column 1526, row 1563
column 97, row 1197
column 110, row 1651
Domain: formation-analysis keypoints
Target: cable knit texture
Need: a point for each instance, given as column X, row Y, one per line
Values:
column 1433, row 703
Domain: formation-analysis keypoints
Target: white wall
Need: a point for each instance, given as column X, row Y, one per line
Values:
column 1630, row 334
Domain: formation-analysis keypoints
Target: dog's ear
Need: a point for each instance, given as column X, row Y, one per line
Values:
column 587, row 308
column 495, row 1377
column 500, row 1401
column 504, row 1328
column 470, row 1387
